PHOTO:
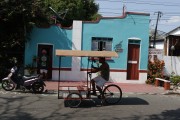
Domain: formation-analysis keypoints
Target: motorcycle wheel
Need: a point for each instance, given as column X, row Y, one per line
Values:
column 8, row 85
column 37, row 87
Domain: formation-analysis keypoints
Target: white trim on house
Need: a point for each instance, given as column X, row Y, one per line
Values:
column 53, row 53
column 119, row 77
column 75, row 74
column 134, row 38
column 76, row 40
column 140, row 77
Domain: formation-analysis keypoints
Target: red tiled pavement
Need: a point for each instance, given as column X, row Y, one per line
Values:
column 126, row 87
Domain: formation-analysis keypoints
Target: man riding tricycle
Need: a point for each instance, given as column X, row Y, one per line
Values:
column 107, row 92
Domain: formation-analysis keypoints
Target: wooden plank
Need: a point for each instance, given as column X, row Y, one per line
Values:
column 160, row 79
column 79, row 53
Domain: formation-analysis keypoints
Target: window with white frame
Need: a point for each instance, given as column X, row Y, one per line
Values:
column 101, row 43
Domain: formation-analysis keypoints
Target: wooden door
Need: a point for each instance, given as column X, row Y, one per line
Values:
column 49, row 49
column 133, row 62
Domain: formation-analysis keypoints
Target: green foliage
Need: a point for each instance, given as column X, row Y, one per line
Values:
column 30, row 68
column 17, row 18
column 175, row 79
column 77, row 10
column 155, row 70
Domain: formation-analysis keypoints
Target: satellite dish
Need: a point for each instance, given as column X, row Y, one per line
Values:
column 58, row 16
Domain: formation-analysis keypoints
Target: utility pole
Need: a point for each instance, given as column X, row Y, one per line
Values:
column 158, row 17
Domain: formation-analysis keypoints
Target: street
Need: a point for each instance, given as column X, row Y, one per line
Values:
column 28, row 106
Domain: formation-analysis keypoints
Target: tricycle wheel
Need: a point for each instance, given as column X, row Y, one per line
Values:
column 73, row 99
column 112, row 94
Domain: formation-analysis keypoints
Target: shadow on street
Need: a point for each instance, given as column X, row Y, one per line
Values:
column 88, row 103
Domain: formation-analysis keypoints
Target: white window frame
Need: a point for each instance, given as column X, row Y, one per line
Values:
column 101, row 43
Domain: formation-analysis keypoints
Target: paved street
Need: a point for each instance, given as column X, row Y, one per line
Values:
column 28, row 106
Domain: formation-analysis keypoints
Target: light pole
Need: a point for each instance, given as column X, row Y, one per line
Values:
column 172, row 49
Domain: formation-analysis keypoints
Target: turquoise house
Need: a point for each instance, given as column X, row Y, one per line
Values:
column 128, row 35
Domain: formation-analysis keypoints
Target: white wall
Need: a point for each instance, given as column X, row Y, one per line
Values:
column 172, row 64
column 159, row 45
column 119, row 77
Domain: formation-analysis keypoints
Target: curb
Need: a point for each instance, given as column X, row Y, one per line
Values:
column 177, row 92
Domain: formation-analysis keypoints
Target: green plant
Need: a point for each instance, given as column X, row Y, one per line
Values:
column 175, row 79
column 155, row 69
column 30, row 69
column 34, row 58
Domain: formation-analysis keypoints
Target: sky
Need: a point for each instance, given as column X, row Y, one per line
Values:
column 170, row 9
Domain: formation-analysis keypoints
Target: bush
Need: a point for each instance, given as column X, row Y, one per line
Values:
column 155, row 70
column 175, row 79
column 31, row 69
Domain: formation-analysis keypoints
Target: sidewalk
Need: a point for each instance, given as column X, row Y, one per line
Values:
column 125, row 87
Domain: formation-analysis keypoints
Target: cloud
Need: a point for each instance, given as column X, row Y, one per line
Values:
column 173, row 19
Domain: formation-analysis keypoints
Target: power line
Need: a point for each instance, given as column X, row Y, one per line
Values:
column 169, row 9
column 157, row 2
column 145, row 2
column 166, row 15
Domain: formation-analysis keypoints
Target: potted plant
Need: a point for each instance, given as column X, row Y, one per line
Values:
column 30, row 69
column 175, row 81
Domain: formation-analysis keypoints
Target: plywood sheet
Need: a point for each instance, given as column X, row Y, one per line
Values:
column 79, row 53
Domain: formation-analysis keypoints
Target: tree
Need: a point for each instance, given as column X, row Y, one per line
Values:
column 17, row 18
column 77, row 10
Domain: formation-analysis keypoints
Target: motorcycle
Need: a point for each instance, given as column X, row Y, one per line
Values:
column 31, row 83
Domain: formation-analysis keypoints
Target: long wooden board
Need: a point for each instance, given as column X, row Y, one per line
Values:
column 79, row 53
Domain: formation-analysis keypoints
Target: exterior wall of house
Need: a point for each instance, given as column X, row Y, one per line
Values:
column 121, row 30
column 59, row 38
column 133, row 26
column 172, row 39
column 159, row 44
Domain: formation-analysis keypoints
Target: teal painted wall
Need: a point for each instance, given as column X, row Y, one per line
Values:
column 59, row 38
column 120, row 29
column 133, row 26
